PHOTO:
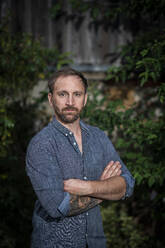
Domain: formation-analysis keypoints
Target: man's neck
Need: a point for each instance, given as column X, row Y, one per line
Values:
column 73, row 127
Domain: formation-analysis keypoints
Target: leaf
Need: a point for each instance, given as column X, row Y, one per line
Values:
column 144, row 52
column 95, row 12
column 151, row 181
column 131, row 155
column 152, row 136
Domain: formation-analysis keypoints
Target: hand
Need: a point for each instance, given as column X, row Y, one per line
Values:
column 76, row 187
column 112, row 169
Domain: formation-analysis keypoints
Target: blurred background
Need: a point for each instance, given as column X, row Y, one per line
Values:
column 120, row 47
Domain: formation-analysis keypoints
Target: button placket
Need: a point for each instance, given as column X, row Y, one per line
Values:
column 73, row 141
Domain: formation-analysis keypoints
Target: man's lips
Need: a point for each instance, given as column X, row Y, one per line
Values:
column 70, row 110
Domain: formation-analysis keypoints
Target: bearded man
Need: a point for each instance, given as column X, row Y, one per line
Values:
column 73, row 167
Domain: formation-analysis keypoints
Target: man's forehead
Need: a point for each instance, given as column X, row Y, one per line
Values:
column 69, row 81
column 68, row 77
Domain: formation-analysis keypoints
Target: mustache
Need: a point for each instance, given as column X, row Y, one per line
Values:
column 70, row 109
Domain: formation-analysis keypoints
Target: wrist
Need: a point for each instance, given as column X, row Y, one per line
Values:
column 89, row 187
column 93, row 187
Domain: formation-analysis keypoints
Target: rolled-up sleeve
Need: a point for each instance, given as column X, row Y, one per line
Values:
column 111, row 154
column 47, row 180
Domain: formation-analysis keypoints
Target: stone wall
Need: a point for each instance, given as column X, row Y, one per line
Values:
column 92, row 47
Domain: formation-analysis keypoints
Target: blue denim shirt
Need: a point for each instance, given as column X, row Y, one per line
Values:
column 53, row 156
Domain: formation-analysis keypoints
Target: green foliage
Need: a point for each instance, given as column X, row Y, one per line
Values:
column 143, row 59
column 55, row 11
column 121, row 230
column 100, row 113
column 139, row 136
column 6, row 126
column 142, row 138
column 80, row 6
column 21, row 62
column 161, row 92
column 139, row 14
column 24, row 61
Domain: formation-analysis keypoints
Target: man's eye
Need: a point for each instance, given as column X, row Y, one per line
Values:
column 61, row 94
column 77, row 94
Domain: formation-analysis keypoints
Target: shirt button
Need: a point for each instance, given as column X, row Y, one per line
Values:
column 85, row 178
column 66, row 134
column 87, row 213
column 74, row 143
column 70, row 133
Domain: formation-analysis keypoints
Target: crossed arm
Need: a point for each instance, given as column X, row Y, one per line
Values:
column 84, row 195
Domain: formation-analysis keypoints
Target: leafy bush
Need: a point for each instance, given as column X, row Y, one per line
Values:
column 24, row 61
column 142, row 59
column 6, row 126
column 140, row 140
column 121, row 230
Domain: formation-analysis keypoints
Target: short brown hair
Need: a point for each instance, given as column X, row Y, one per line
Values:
column 64, row 73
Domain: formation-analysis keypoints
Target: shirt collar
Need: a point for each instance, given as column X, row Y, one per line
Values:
column 65, row 130
column 84, row 126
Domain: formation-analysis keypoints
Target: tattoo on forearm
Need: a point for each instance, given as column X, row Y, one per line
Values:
column 80, row 204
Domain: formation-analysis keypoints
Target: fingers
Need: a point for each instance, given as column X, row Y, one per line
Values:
column 116, row 169
column 112, row 169
column 106, row 171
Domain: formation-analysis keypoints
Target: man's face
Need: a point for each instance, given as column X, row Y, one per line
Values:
column 68, row 98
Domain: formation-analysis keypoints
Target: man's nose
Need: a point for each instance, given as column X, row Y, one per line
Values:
column 70, row 100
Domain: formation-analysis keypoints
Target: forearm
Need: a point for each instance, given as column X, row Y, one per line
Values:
column 112, row 188
column 80, row 204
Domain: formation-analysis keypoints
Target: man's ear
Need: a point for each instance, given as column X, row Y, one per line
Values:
column 50, row 99
column 85, row 99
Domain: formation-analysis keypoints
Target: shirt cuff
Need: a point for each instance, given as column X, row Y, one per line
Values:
column 129, row 186
column 65, row 204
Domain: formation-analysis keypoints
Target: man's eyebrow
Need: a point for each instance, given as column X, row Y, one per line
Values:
column 78, row 91
column 64, row 91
